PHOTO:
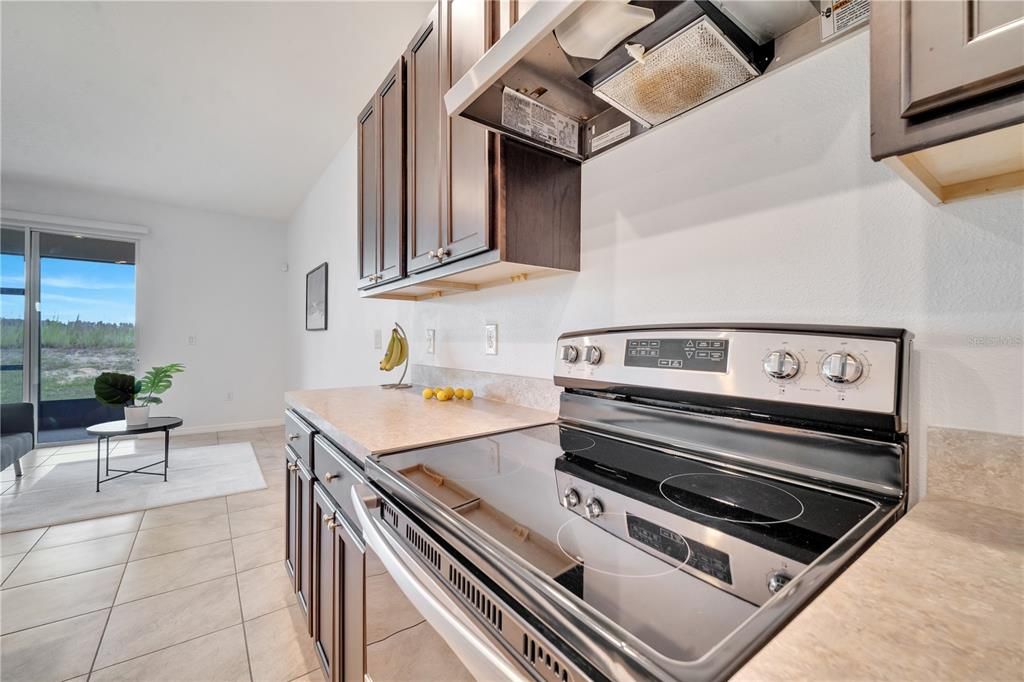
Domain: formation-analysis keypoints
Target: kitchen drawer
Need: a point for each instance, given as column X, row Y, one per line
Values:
column 299, row 436
column 337, row 474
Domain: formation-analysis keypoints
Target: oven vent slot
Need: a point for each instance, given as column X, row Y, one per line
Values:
column 424, row 546
column 388, row 514
column 550, row 666
column 482, row 603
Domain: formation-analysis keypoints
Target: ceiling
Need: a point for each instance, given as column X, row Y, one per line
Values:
column 226, row 106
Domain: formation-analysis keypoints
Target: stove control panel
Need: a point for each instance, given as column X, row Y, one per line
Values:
column 826, row 370
column 693, row 354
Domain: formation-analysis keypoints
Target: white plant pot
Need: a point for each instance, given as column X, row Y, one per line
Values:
column 136, row 415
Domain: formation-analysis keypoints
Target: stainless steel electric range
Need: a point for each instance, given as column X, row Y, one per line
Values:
column 701, row 485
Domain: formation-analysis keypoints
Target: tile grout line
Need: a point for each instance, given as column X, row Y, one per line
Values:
column 238, row 593
column 110, row 611
column 4, row 581
column 169, row 646
column 230, row 538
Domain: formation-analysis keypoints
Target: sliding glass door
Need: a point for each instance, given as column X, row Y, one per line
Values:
column 79, row 322
column 13, row 332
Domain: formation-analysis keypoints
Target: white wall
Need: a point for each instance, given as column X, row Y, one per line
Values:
column 764, row 206
column 210, row 275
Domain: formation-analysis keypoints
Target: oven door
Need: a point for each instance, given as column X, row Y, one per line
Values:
column 415, row 627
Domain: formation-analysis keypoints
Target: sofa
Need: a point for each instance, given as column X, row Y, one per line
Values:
column 17, row 434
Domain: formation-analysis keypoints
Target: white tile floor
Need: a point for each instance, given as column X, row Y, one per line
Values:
column 196, row 591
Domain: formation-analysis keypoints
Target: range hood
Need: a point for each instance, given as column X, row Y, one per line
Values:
column 580, row 77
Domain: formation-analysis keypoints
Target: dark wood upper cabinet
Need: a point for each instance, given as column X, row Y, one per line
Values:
column 369, row 186
column 479, row 209
column 947, row 94
column 467, row 29
column 423, row 144
column 382, row 183
column 391, row 100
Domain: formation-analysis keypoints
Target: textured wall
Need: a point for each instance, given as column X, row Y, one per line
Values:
column 764, row 206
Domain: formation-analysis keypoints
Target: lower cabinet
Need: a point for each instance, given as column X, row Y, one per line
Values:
column 298, row 539
column 338, row 574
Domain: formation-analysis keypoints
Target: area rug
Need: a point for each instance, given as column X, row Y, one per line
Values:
column 52, row 494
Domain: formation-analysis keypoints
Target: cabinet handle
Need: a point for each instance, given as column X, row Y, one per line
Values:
column 328, row 518
column 332, row 524
column 293, row 436
column 442, row 253
column 293, row 467
column 330, row 476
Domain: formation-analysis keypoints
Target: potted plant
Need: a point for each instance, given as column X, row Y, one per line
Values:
column 114, row 388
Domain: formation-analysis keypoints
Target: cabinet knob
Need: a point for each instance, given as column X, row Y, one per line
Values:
column 293, row 436
column 332, row 524
column 330, row 476
column 327, row 518
column 442, row 253
column 292, row 466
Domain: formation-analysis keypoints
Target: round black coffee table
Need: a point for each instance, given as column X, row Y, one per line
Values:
column 120, row 428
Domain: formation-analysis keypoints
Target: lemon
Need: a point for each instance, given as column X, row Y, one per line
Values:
column 467, row 394
column 428, row 393
column 460, row 393
column 438, row 390
column 451, row 391
column 444, row 395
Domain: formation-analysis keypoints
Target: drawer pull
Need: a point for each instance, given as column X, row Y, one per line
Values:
column 293, row 436
column 292, row 466
column 330, row 476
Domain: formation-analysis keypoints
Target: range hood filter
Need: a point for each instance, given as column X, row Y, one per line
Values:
column 693, row 66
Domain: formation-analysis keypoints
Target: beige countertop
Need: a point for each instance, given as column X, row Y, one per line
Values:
column 369, row 420
column 938, row 597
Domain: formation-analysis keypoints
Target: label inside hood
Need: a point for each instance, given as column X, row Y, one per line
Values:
column 539, row 122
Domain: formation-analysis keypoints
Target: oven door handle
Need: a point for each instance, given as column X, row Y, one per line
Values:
column 476, row 649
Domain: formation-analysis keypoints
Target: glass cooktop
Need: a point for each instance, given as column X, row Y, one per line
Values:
column 679, row 553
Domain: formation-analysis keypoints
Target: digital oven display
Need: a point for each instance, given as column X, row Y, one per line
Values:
column 699, row 355
column 683, row 549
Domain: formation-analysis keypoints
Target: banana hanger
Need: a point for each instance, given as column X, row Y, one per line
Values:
column 397, row 354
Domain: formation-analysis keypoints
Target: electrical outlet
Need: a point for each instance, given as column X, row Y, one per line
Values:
column 430, row 342
column 377, row 342
column 491, row 339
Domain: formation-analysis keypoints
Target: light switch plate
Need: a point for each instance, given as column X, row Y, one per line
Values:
column 377, row 342
column 430, row 342
column 491, row 339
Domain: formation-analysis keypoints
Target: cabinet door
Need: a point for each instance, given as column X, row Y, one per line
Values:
column 369, row 194
column 391, row 134
column 304, row 555
column 326, row 593
column 353, row 616
column 424, row 136
column 292, row 511
column 467, row 33
column 959, row 50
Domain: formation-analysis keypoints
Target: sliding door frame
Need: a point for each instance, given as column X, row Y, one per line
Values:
column 34, row 224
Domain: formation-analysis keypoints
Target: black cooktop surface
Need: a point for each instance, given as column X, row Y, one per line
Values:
column 796, row 521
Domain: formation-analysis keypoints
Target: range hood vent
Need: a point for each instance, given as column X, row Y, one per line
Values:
column 623, row 68
column 693, row 66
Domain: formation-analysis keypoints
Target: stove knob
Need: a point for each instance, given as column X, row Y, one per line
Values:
column 776, row 581
column 570, row 498
column 594, row 508
column 841, row 368
column 570, row 354
column 591, row 355
column 781, row 365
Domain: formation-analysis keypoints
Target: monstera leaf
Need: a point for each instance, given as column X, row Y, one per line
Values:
column 114, row 388
column 157, row 380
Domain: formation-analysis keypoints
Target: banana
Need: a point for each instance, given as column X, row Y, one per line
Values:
column 403, row 351
column 392, row 357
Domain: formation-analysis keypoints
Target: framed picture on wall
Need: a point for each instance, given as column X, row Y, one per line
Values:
column 316, row 299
